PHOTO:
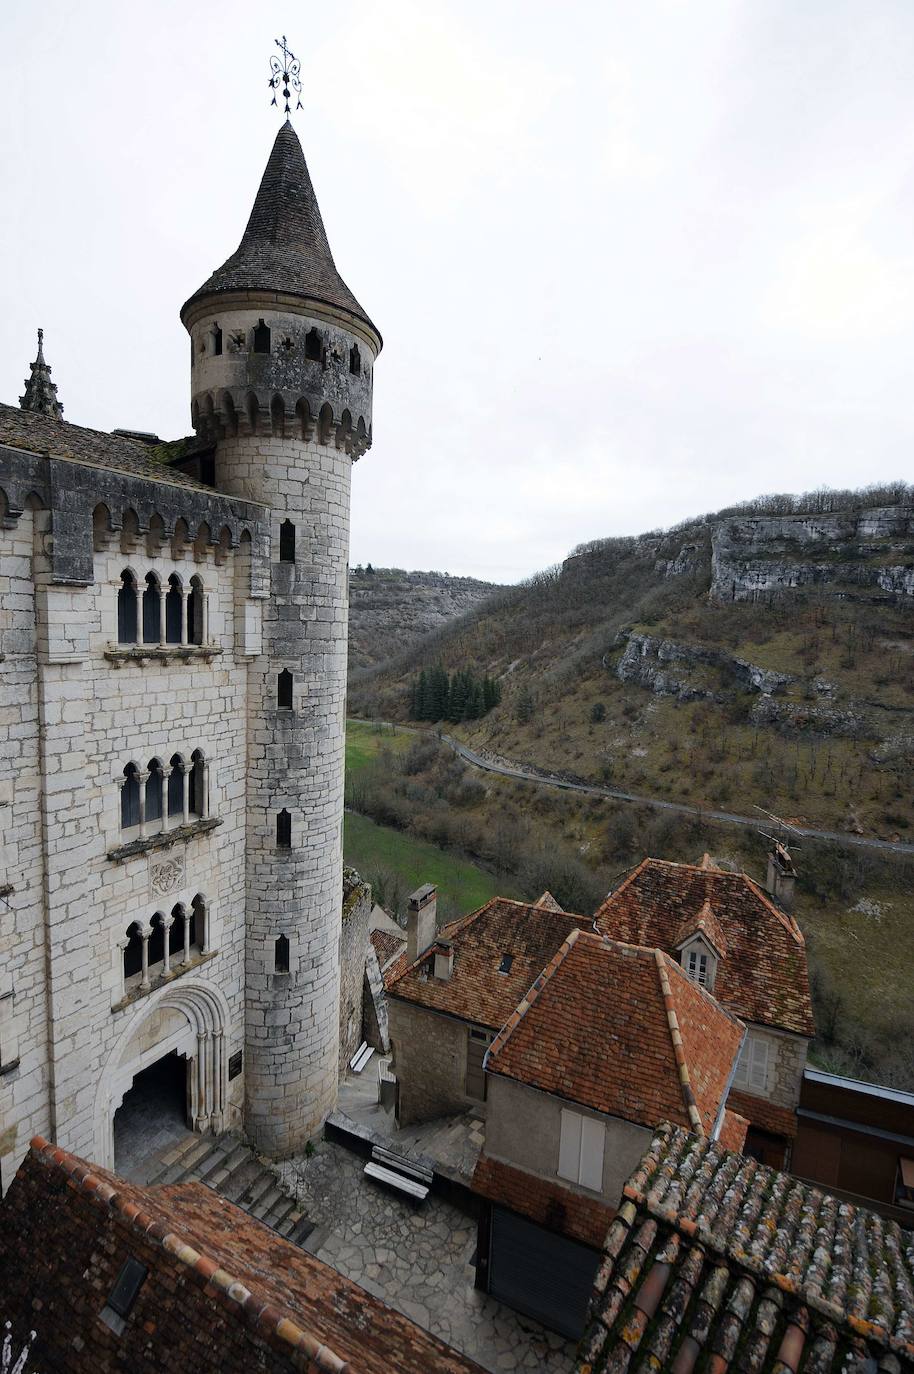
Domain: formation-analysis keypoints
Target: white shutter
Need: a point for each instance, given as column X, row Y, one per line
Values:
column 593, row 1135
column 570, row 1146
column 758, row 1066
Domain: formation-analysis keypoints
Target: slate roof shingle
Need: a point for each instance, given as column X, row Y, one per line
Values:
column 624, row 1031
column 24, row 429
column 476, row 991
column 763, row 976
column 716, row 1262
column 284, row 247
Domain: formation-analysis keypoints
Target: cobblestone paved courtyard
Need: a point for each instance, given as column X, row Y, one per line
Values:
column 416, row 1259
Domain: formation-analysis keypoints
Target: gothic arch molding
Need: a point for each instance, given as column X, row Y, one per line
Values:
column 201, row 1040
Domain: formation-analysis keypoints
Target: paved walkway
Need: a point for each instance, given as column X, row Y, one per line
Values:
column 417, row 1259
column 452, row 1142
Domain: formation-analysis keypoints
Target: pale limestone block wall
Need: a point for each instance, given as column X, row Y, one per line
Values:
column 25, row 1106
column 523, row 1129
column 295, row 762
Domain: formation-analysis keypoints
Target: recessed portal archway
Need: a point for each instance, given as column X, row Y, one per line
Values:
column 152, row 1116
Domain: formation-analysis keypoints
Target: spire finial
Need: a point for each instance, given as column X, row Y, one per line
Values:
column 40, row 392
column 285, row 75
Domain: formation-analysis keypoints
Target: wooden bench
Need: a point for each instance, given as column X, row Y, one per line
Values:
column 400, row 1173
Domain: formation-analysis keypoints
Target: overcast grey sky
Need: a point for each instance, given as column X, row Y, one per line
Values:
column 631, row 261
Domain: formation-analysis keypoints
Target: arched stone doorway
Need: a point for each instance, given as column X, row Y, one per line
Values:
column 187, row 1021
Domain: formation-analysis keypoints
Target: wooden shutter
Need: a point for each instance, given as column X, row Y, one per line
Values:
column 570, row 1146
column 758, row 1066
column 593, row 1136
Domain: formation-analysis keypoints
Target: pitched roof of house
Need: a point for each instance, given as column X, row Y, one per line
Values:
column 763, row 974
column 706, row 924
column 284, row 246
column 36, row 433
column 223, row 1292
column 716, row 1262
column 387, row 946
column 622, row 1030
column 477, row 989
column 546, row 1201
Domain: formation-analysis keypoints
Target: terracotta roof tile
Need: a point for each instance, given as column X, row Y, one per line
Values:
column 764, row 1114
column 476, row 991
column 716, row 1262
column 762, row 977
column 387, row 946
column 623, row 1030
column 549, row 1204
column 706, row 924
column 235, row 1279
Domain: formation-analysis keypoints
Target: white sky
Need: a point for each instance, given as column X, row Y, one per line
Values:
column 632, row 259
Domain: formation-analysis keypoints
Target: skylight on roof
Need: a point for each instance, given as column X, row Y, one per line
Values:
column 506, row 961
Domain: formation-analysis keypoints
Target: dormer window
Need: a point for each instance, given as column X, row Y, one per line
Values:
column 700, row 962
column 701, row 945
column 506, row 961
column 697, row 967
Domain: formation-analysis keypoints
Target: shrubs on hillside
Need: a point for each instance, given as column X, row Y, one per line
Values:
column 436, row 694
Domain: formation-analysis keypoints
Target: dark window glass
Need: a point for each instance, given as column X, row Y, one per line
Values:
column 157, row 941
column 126, row 1287
column 197, row 918
column 173, row 611
column 176, row 934
column 262, row 338
column 176, row 787
column 355, row 361
column 133, row 954
column 130, row 798
column 152, row 611
column 154, row 792
column 284, row 690
column 195, row 613
column 197, row 783
column 126, row 610
column 284, row 829
column 287, row 542
column 217, row 341
column 281, row 955
column 313, row 345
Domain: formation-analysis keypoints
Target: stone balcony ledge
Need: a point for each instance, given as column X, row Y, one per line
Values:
column 122, row 654
column 161, row 980
column 163, row 839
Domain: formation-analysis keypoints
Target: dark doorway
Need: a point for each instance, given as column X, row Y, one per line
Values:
column 152, row 1116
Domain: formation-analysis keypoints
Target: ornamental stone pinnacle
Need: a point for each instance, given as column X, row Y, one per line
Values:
column 40, row 392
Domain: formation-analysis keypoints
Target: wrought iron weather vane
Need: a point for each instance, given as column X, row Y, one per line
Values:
column 285, row 78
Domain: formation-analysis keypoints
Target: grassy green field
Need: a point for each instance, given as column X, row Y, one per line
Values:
column 374, row 849
column 365, row 742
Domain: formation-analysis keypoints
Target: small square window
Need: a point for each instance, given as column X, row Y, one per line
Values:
column 506, row 961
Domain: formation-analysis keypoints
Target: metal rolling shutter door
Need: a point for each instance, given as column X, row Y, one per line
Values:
column 541, row 1274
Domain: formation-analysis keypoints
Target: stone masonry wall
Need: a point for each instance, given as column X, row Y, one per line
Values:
column 429, row 1061
column 295, row 762
column 24, row 1072
column 353, row 953
column 72, row 903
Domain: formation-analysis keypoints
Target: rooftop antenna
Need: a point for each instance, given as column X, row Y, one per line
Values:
column 285, row 76
column 782, row 876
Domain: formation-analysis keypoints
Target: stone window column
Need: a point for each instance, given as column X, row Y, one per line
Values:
column 138, row 591
column 204, row 800
column 163, row 592
column 167, row 922
column 142, row 779
column 185, row 773
column 122, row 947
column 204, row 598
column 186, row 919
column 166, row 819
column 145, row 932
column 218, row 1104
column 185, row 597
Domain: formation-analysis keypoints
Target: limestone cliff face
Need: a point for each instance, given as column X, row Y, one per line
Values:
column 389, row 609
column 691, row 672
column 857, row 554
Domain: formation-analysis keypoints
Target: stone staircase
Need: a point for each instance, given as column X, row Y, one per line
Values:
column 225, row 1164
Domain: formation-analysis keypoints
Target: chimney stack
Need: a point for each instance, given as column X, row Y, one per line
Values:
column 444, row 960
column 781, row 879
column 421, row 921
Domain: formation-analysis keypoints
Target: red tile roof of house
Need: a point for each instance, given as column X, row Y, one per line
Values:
column 548, row 1203
column 715, row 1262
column 763, row 975
column 706, row 924
column 387, row 946
column 622, row 1030
column 224, row 1294
column 767, row 1116
column 476, row 991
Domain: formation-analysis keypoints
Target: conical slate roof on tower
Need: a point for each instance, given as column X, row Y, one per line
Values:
column 40, row 392
column 285, row 246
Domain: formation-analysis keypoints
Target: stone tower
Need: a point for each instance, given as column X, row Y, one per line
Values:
column 282, row 362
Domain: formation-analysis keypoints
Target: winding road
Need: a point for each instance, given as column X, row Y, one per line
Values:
column 705, row 813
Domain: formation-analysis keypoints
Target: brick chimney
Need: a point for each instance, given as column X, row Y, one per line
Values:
column 781, row 879
column 444, row 960
column 421, row 921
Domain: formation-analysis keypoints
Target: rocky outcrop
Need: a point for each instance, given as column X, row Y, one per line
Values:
column 691, row 672
column 857, row 554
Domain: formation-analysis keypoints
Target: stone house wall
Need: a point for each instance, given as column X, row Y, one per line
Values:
column 429, row 1061
column 354, row 946
column 523, row 1129
column 786, row 1062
